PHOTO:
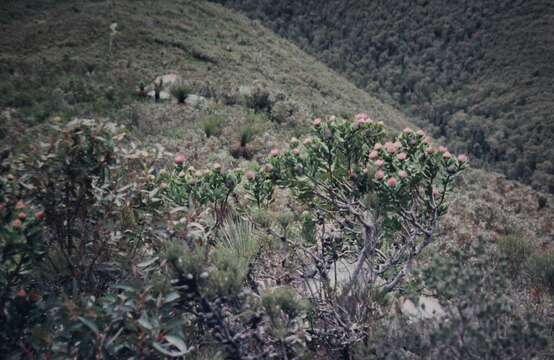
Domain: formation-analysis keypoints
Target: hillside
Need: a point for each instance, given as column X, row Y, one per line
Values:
column 192, row 230
column 477, row 73
column 47, row 74
column 63, row 59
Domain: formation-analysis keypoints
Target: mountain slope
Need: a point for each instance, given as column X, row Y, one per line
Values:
column 478, row 73
column 57, row 61
column 65, row 59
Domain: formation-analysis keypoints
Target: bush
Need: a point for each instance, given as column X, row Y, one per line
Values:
column 479, row 321
column 180, row 91
column 540, row 268
column 283, row 111
column 156, row 267
column 257, row 98
column 516, row 250
column 212, row 126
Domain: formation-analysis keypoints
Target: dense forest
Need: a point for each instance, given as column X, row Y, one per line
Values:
column 477, row 74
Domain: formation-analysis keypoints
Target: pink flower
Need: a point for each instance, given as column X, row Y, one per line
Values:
column 268, row 168
column 274, row 152
column 317, row 122
column 16, row 224
column 392, row 182
column 430, row 150
column 402, row 156
column 402, row 174
column 296, row 151
column 443, row 149
column 250, row 175
column 307, row 141
column 377, row 146
column 462, row 158
column 373, row 155
column 407, row 130
column 420, row 133
column 390, row 148
column 379, row 175
column 379, row 163
column 180, row 159
column 362, row 118
column 446, row 155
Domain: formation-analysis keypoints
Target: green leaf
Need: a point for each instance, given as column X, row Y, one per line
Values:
column 92, row 326
column 144, row 321
column 164, row 351
column 171, row 297
column 177, row 342
column 147, row 262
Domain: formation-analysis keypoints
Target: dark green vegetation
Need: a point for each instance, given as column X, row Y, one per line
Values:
column 222, row 221
column 477, row 73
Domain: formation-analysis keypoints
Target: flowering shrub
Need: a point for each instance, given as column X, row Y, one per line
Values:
column 197, row 286
column 186, row 186
column 21, row 247
column 387, row 197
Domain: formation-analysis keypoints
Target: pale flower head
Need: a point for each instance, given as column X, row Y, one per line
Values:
column 379, row 175
column 180, row 159
column 250, row 175
column 373, row 155
column 392, row 182
column 317, row 122
column 402, row 156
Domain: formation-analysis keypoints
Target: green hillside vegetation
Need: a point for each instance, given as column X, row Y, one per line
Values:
column 477, row 73
column 64, row 60
column 226, row 219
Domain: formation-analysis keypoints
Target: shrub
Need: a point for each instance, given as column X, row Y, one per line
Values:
column 76, row 178
column 344, row 162
column 195, row 285
column 479, row 319
column 243, row 149
column 257, row 98
column 180, row 91
column 540, row 268
column 21, row 249
column 515, row 249
column 282, row 111
column 212, row 126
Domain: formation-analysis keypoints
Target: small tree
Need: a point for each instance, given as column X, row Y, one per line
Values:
column 386, row 198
